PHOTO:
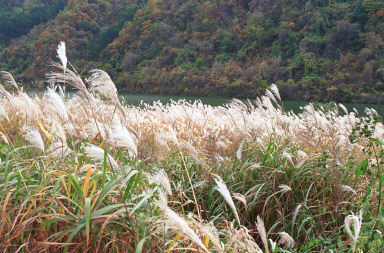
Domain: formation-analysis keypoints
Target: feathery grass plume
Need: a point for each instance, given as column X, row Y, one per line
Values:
column 222, row 188
column 263, row 234
column 239, row 240
column 289, row 158
column 239, row 152
column 5, row 94
column 346, row 188
column 285, row 188
column 356, row 222
column 61, row 53
column 345, row 110
column 179, row 224
column 33, row 136
column 30, row 106
column 273, row 88
column 121, row 137
column 191, row 150
column 241, row 198
column 58, row 103
column 286, row 240
column 98, row 154
column 270, row 95
column 205, row 228
column 101, row 82
column 59, row 150
column 3, row 113
column 71, row 78
column 161, row 178
column 9, row 79
column 4, row 137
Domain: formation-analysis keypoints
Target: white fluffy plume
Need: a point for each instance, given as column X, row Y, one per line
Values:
column 61, row 53
column 356, row 222
column 98, row 154
column 262, row 232
column 58, row 103
column 222, row 188
column 286, row 240
column 181, row 226
column 100, row 81
column 9, row 79
column 3, row 113
column 59, row 150
column 33, row 136
column 121, row 137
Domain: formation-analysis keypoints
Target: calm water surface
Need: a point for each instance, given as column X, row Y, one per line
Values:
column 136, row 99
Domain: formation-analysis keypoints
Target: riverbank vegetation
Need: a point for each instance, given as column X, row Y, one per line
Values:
column 91, row 173
column 317, row 50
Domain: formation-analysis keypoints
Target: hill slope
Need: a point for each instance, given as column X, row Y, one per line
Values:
column 318, row 49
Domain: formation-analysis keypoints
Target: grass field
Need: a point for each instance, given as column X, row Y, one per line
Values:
column 91, row 174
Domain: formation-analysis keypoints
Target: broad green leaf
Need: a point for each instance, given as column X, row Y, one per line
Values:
column 361, row 168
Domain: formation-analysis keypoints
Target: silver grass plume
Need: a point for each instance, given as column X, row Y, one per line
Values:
column 270, row 95
column 61, row 53
column 121, row 137
column 191, row 150
column 3, row 113
column 286, row 240
column 33, row 136
column 345, row 110
column 101, row 82
column 222, row 188
column 59, row 150
column 241, row 198
column 5, row 94
column 161, row 178
column 273, row 88
column 179, row 224
column 263, row 234
column 356, row 222
column 239, row 240
column 9, row 78
column 211, row 232
column 285, row 188
column 98, row 154
column 4, row 137
column 58, row 103
column 346, row 188
column 71, row 78
column 239, row 152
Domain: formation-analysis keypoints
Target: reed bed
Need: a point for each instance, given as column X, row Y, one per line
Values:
column 89, row 173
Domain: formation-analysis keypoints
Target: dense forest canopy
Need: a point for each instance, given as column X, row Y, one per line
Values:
column 312, row 49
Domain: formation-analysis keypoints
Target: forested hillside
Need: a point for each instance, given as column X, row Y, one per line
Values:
column 312, row 49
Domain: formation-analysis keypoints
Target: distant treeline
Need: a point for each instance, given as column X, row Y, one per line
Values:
column 312, row 49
